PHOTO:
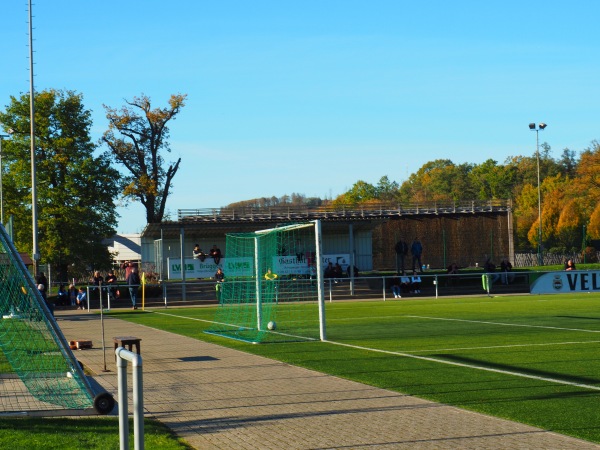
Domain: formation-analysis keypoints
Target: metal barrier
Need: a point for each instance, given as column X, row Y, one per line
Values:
column 123, row 356
column 202, row 292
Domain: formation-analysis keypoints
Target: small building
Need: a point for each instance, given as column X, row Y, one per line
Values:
column 125, row 247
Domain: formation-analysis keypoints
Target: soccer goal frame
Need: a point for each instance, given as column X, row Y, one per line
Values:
column 40, row 374
column 299, row 284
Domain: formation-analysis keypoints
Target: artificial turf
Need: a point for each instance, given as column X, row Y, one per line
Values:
column 532, row 359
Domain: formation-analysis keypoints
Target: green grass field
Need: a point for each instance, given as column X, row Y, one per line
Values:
column 97, row 433
column 532, row 359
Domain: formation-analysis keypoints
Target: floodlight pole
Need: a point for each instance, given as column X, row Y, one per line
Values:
column 537, row 129
column 34, row 212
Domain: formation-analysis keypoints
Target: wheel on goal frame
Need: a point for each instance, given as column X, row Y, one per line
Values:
column 104, row 403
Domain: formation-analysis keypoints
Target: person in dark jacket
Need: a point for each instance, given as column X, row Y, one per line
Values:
column 41, row 279
column 416, row 249
column 401, row 249
column 133, row 280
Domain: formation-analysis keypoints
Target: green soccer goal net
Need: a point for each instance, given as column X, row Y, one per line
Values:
column 273, row 290
column 38, row 371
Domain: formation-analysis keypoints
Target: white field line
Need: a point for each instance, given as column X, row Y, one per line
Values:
column 504, row 324
column 548, row 344
column 469, row 366
column 191, row 318
column 230, row 325
column 425, row 358
column 468, row 321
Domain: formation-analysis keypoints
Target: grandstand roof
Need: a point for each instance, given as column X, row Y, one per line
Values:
column 218, row 221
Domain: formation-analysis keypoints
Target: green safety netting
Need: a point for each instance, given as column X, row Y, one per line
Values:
column 38, row 371
column 258, row 306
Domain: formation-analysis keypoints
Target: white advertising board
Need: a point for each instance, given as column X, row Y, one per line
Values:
column 565, row 282
column 238, row 267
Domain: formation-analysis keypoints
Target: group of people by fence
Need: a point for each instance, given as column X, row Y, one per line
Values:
column 75, row 296
column 405, row 284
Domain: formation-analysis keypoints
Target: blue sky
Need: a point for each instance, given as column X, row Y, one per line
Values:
column 312, row 96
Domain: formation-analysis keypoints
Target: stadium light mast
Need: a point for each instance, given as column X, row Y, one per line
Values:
column 34, row 210
column 537, row 129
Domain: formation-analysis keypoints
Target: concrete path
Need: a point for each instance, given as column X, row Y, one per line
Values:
column 218, row 398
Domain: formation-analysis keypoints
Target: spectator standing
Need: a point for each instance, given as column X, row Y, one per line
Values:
column 490, row 269
column 505, row 269
column 570, row 265
column 133, row 280
column 401, row 249
column 40, row 288
column 43, row 294
column 416, row 249
column 73, row 295
column 219, row 278
column 271, row 286
column 127, row 266
column 41, row 279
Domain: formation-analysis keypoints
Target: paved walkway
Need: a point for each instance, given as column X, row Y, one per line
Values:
column 218, row 398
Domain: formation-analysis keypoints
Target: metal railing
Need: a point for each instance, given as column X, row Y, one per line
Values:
column 177, row 293
column 371, row 210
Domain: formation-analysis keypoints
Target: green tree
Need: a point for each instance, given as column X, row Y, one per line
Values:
column 568, row 162
column 386, row 190
column 439, row 180
column 360, row 192
column 75, row 189
column 136, row 135
column 492, row 181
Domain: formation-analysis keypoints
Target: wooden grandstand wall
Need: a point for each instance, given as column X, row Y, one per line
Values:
column 467, row 240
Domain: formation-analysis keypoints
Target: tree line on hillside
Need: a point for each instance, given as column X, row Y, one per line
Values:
column 79, row 183
column 294, row 199
column 569, row 186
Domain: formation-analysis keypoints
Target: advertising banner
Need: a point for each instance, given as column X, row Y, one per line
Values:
column 194, row 268
column 238, row 267
column 565, row 282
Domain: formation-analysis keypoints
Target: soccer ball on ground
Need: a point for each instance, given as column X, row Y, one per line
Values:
column 271, row 325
